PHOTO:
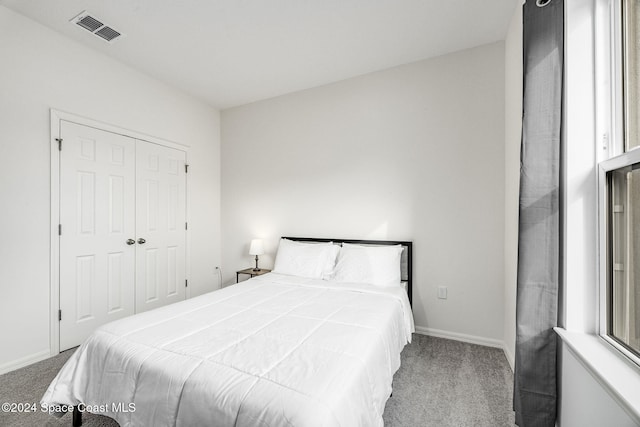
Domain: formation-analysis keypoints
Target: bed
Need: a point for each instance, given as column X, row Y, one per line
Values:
column 275, row 350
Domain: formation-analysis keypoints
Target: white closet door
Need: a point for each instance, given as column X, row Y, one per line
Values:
column 160, row 225
column 97, row 216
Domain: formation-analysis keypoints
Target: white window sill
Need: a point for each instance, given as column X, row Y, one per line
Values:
column 618, row 376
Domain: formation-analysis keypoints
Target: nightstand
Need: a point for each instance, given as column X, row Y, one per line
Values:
column 251, row 272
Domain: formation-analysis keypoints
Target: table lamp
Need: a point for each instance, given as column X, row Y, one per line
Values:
column 256, row 248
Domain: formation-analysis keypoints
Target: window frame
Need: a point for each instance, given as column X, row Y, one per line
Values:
column 610, row 124
column 620, row 161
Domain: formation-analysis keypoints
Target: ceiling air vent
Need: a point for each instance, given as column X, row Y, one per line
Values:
column 96, row 26
column 107, row 33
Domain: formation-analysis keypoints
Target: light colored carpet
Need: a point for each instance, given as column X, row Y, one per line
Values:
column 28, row 385
column 445, row 383
column 441, row 383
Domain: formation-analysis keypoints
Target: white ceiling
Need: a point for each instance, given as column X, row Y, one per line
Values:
column 232, row 52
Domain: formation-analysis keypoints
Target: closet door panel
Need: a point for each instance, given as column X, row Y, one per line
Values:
column 160, row 225
column 97, row 216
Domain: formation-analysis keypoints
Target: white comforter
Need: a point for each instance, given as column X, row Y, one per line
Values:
column 271, row 351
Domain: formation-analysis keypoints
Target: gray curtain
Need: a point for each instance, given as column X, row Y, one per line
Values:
column 539, row 264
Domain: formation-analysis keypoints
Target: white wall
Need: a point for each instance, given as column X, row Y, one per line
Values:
column 513, row 133
column 584, row 402
column 414, row 152
column 42, row 70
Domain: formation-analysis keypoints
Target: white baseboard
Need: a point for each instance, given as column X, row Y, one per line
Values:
column 472, row 339
column 24, row 361
column 509, row 356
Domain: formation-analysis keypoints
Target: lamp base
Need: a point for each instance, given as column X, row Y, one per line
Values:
column 256, row 269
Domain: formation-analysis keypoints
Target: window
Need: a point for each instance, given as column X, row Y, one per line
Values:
column 624, row 256
column 631, row 55
column 620, row 202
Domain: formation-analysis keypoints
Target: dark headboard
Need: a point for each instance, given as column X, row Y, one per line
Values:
column 406, row 268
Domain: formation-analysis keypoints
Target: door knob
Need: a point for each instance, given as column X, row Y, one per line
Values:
column 142, row 241
column 130, row 241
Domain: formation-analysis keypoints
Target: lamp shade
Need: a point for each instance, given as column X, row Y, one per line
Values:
column 256, row 247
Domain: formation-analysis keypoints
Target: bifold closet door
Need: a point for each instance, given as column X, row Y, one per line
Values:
column 97, row 217
column 123, row 228
column 160, row 225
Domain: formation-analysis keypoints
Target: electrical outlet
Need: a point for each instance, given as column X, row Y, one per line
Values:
column 442, row 292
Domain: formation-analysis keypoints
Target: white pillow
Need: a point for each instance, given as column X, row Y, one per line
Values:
column 376, row 265
column 313, row 260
